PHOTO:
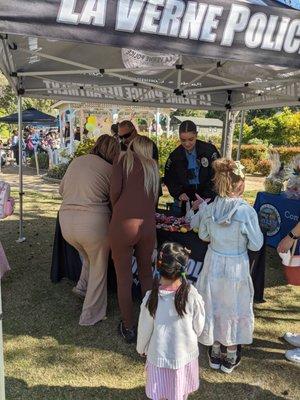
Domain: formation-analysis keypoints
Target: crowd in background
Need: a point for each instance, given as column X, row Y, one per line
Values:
column 37, row 141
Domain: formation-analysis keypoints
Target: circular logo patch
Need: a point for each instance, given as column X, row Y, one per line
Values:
column 204, row 162
column 269, row 219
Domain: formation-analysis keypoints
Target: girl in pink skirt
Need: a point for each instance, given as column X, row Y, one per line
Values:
column 171, row 320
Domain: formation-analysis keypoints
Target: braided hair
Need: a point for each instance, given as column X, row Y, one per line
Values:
column 171, row 264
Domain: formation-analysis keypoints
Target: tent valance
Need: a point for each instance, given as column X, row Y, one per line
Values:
column 208, row 54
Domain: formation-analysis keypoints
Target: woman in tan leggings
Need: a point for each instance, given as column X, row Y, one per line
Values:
column 84, row 218
column 134, row 190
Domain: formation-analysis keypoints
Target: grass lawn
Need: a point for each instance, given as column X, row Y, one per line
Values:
column 49, row 356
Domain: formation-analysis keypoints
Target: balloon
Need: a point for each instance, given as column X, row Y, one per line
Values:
column 92, row 120
column 90, row 127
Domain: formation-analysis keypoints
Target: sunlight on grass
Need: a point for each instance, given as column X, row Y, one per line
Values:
column 50, row 357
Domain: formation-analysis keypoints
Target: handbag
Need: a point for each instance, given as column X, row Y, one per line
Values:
column 291, row 265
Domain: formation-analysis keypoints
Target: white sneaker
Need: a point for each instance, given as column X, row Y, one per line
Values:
column 293, row 355
column 292, row 338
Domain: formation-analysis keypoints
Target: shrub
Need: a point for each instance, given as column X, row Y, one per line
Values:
column 58, row 171
column 249, row 165
column 43, row 161
column 251, row 151
column 165, row 148
column 288, row 153
column 263, row 167
column 84, row 147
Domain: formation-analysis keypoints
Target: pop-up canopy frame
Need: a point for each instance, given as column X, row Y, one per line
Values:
column 214, row 54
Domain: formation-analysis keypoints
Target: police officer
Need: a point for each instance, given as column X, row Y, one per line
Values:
column 189, row 168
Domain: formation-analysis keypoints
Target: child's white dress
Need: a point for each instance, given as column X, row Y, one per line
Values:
column 231, row 226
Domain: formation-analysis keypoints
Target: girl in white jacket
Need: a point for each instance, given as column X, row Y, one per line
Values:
column 171, row 320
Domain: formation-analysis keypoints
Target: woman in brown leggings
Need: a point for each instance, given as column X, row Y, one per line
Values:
column 133, row 193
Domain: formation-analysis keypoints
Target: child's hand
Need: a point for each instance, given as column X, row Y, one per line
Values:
column 143, row 355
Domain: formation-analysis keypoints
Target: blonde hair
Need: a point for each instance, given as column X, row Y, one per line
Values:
column 143, row 148
column 106, row 147
column 226, row 179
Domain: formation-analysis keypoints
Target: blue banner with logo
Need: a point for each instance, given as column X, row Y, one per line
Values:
column 277, row 215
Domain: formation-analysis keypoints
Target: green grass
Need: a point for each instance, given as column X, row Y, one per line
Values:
column 49, row 356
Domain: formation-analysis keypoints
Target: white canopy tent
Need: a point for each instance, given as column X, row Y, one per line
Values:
column 212, row 54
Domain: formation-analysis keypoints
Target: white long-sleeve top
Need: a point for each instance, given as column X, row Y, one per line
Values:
column 168, row 340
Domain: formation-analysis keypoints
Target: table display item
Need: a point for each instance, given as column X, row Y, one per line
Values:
column 172, row 224
column 274, row 182
column 293, row 184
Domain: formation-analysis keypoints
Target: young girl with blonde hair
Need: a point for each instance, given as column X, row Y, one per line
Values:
column 134, row 192
column 230, row 225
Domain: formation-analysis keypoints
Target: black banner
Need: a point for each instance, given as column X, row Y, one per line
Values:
column 213, row 28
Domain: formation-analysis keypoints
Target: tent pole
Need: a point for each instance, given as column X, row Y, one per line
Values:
column 225, row 131
column 238, row 155
column 157, row 123
column 81, row 124
column 2, row 379
column 21, row 193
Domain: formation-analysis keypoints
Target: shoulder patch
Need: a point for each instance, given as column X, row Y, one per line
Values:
column 214, row 156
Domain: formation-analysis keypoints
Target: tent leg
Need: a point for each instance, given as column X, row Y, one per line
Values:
column 238, row 155
column 2, row 382
column 157, row 115
column 225, row 133
column 21, row 193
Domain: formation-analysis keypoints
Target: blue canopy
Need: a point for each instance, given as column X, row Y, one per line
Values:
column 30, row 116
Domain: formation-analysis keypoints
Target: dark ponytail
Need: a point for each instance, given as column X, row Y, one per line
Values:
column 181, row 297
column 171, row 264
column 153, row 297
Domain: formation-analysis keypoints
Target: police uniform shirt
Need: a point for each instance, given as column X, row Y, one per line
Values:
column 177, row 175
column 193, row 166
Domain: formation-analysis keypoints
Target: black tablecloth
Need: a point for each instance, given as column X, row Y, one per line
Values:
column 66, row 262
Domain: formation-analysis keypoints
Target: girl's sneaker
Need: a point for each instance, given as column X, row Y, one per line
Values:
column 214, row 359
column 229, row 364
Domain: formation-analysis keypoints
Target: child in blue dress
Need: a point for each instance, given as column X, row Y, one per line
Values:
column 230, row 225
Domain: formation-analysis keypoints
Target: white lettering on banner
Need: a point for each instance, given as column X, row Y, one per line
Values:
column 255, row 30
column 94, row 11
column 211, row 23
column 118, row 93
column 236, row 22
column 288, row 215
column 66, row 13
column 291, row 44
column 192, row 22
column 152, row 14
column 281, row 33
column 269, row 42
column 171, row 19
column 128, row 14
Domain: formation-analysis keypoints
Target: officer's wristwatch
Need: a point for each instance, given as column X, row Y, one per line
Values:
column 292, row 236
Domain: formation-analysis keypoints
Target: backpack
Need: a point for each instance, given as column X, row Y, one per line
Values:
column 6, row 202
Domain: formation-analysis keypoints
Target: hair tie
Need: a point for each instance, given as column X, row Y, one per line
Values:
column 157, row 274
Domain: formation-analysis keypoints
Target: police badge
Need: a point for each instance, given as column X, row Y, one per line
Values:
column 204, row 162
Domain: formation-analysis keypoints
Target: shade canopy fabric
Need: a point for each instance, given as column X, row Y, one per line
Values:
column 209, row 54
column 30, row 116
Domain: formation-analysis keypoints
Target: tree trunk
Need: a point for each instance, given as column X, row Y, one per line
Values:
column 228, row 137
